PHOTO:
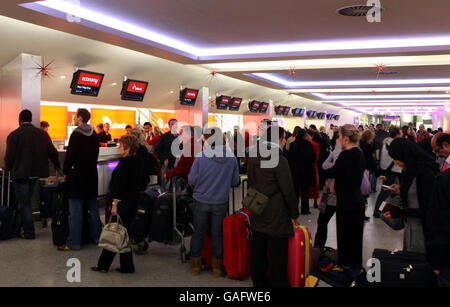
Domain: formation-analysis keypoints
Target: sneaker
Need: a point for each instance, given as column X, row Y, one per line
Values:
column 64, row 248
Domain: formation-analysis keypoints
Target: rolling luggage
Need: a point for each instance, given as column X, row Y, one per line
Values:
column 162, row 219
column 6, row 223
column 236, row 244
column 404, row 269
column 300, row 256
column 60, row 221
column 331, row 274
column 140, row 226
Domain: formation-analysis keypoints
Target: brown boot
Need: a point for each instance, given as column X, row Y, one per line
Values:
column 217, row 267
column 196, row 265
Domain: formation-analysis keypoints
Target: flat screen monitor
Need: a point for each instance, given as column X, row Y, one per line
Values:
column 279, row 110
column 254, row 106
column 134, row 90
column 286, row 111
column 337, row 117
column 330, row 116
column 86, row 83
column 188, row 96
column 235, row 104
column 298, row 112
column 321, row 115
column 222, row 102
column 264, row 107
column 311, row 114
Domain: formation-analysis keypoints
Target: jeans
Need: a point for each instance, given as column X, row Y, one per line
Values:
column 275, row 263
column 202, row 214
column 76, row 221
column 322, row 226
column 373, row 182
column 24, row 218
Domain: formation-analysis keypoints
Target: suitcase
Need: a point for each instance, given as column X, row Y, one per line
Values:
column 330, row 274
column 207, row 251
column 140, row 226
column 60, row 221
column 404, row 269
column 300, row 256
column 6, row 223
column 236, row 244
column 161, row 225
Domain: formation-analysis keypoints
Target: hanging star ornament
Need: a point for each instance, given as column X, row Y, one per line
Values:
column 44, row 70
column 292, row 72
column 429, row 92
column 380, row 69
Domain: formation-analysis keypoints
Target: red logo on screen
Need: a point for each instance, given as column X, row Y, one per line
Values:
column 136, row 87
column 191, row 94
column 225, row 100
column 89, row 79
column 236, row 102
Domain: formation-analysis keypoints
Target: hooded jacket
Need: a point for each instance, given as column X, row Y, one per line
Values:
column 80, row 164
column 214, row 171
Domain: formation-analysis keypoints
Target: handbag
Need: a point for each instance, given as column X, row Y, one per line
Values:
column 366, row 187
column 114, row 237
column 255, row 201
column 397, row 223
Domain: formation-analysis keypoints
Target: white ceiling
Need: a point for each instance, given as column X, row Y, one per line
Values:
column 275, row 30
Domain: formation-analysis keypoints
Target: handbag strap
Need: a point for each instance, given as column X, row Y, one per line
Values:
column 119, row 220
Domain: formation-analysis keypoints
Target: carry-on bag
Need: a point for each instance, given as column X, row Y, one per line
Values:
column 404, row 269
column 300, row 256
column 161, row 225
column 237, row 244
column 139, row 227
column 60, row 220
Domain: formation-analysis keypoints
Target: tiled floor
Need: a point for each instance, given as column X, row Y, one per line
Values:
column 38, row 263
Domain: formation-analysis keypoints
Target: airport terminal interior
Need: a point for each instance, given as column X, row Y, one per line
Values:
column 240, row 66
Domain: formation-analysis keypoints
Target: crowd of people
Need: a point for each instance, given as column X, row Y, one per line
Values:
column 328, row 166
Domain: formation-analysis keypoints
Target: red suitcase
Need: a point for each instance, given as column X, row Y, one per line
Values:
column 236, row 244
column 207, row 252
column 300, row 256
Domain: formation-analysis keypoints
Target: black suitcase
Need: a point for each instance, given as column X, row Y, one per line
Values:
column 139, row 227
column 60, row 221
column 6, row 223
column 404, row 269
column 161, row 225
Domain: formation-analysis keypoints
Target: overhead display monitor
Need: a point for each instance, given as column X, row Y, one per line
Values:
column 311, row 114
column 264, row 107
column 235, row 104
column 254, row 106
column 321, row 115
column 337, row 117
column 188, row 96
column 298, row 112
column 134, row 90
column 222, row 102
column 286, row 111
column 86, row 83
column 279, row 110
column 330, row 116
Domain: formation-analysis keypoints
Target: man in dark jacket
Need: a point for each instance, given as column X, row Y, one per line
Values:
column 437, row 236
column 28, row 150
column 80, row 168
column 163, row 148
column 380, row 136
column 272, row 229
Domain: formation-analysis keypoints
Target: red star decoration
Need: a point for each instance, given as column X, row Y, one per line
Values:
column 213, row 72
column 44, row 70
column 429, row 91
column 292, row 72
column 380, row 69
column 374, row 92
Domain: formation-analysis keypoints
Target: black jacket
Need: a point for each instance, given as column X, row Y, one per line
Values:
column 103, row 137
column 302, row 158
column 380, row 136
column 80, row 165
column 127, row 180
column 163, row 149
column 437, row 226
column 28, row 150
column 367, row 150
column 277, row 184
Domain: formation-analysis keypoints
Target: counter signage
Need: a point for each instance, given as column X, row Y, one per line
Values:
column 86, row 83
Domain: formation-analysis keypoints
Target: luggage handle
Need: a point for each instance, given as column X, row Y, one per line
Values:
column 3, row 188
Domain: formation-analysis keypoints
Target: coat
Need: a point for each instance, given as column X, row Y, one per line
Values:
column 28, row 150
column 277, row 184
column 301, row 159
column 163, row 149
column 80, row 165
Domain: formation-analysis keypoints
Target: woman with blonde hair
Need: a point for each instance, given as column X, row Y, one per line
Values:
column 156, row 134
column 348, row 172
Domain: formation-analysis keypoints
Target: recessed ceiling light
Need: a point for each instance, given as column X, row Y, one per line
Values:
column 114, row 84
column 172, row 92
column 63, row 77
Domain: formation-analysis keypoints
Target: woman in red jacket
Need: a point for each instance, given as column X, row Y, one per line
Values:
column 190, row 148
